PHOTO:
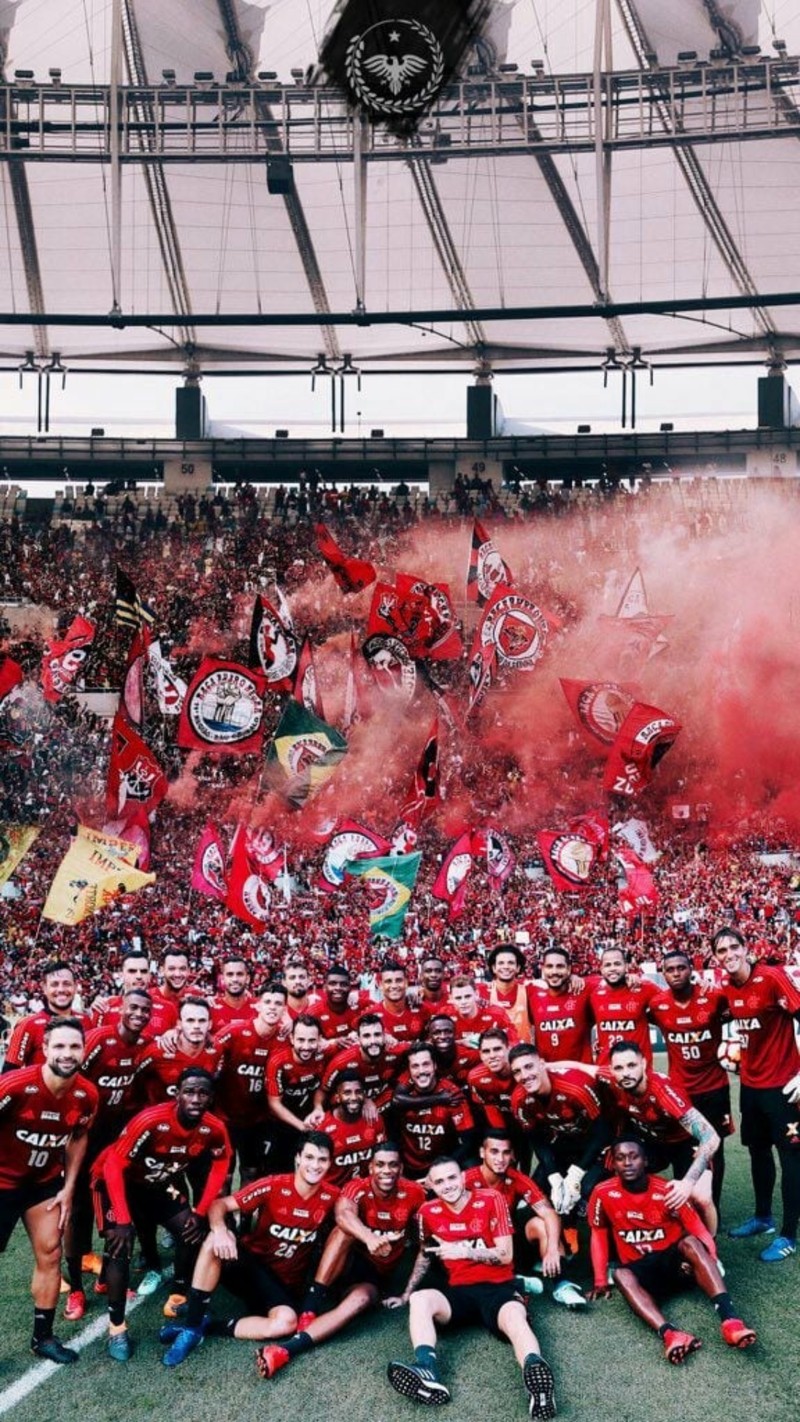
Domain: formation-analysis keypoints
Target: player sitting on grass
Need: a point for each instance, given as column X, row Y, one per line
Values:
column 660, row 1249
column 469, row 1233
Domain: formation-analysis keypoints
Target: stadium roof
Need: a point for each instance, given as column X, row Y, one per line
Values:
column 542, row 217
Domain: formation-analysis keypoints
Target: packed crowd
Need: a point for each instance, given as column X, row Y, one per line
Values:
column 347, row 1076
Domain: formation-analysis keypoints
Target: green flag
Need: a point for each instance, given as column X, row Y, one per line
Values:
column 390, row 881
column 304, row 753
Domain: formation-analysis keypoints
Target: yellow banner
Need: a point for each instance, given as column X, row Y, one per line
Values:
column 15, row 841
column 95, row 869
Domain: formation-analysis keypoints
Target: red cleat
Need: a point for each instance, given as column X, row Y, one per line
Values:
column 737, row 1334
column 304, row 1320
column 678, row 1346
column 270, row 1359
column 75, row 1307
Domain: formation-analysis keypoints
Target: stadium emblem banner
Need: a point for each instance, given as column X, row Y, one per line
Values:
column 487, row 571
column 223, row 709
column 392, row 57
column 350, row 841
column 517, row 629
column 568, row 857
column 600, row 708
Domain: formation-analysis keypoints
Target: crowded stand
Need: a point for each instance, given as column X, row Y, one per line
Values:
column 521, row 778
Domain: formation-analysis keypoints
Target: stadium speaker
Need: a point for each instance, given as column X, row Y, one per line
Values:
column 280, row 177
column 481, row 412
column 190, row 412
column 777, row 403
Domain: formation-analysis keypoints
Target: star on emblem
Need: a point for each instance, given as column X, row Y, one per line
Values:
column 394, row 37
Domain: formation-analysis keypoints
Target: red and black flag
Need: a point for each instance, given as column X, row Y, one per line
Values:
column 64, row 657
column 418, row 614
column 273, row 644
column 424, row 791
column 134, row 775
column 599, row 707
column 493, row 849
column 130, row 610
column 352, row 574
column 487, row 571
column 638, row 893
column 644, row 738
column 391, row 58
column 133, row 685
column 450, row 883
column 306, row 683
column 248, row 893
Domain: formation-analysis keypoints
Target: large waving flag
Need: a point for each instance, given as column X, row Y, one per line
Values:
column 15, row 841
column 170, row 688
column 130, row 610
column 64, row 657
column 636, row 834
column 492, row 850
column 223, row 710
column 350, row 841
column 418, row 614
column 249, row 894
column 390, row 882
column 132, row 698
column 11, row 676
column 424, row 792
column 351, row 574
column 450, row 883
column 515, row 628
column 599, row 707
column 569, row 857
column 487, row 571
column 644, row 738
column 304, row 753
column 208, row 871
column 306, row 682
column 134, row 775
column 638, row 893
column 634, row 634
column 95, row 869
column 273, row 643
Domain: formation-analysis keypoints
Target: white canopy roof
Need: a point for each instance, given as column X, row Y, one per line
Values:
column 507, row 207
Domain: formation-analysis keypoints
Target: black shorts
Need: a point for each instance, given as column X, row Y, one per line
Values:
column 252, row 1281
column 147, row 1204
column 15, row 1203
column 769, row 1119
column 253, row 1146
column 716, row 1107
column 480, row 1303
column 660, row 1272
column 360, row 1269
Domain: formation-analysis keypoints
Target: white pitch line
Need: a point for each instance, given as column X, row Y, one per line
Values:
column 40, row 1372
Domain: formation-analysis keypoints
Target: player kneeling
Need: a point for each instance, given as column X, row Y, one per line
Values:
column 661, row 1251
column 469, row 1234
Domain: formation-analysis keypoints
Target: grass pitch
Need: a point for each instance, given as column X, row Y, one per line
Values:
column 608, row 1366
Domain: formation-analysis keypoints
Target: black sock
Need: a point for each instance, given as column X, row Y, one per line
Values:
column 74, row 1272
column 665, row 1328
column 43, row 1319
column 116, row 1313
column 197, row 1307
column 222, row 1328
column 724, row 1307
column 298, row 1343
column 426, row 1358
column 316, row 1299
